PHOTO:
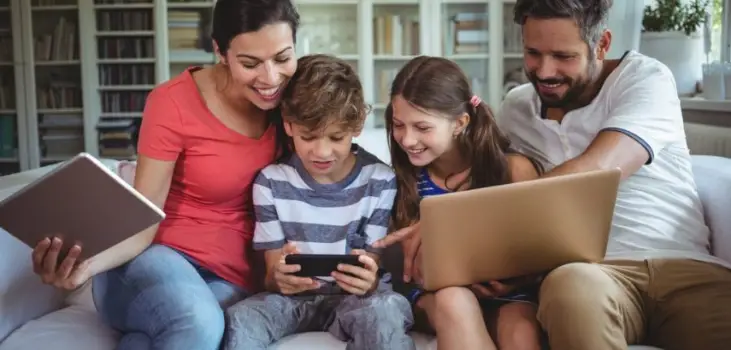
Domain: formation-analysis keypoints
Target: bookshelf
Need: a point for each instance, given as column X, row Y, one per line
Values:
column 396, row 28
column 188, row 34
column 127, row 65
column 121, row 49
column 477, row 34
column 53, row 102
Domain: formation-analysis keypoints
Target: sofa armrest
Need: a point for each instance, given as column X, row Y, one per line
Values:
column 713, row 179
column 23, row 296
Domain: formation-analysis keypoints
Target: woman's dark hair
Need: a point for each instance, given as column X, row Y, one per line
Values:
column 234, row 17
column 438, row 85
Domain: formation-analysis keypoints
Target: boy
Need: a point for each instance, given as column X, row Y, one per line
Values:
column 329, row 197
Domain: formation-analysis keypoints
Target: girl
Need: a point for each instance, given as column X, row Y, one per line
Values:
column 205, row 135
column 443, row 139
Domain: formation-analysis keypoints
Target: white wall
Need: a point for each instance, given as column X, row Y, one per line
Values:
column 625, row 23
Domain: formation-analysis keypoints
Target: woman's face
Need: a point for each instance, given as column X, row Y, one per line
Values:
column 262, row 62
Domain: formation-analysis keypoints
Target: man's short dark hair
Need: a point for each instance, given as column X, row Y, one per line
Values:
column 590, row 15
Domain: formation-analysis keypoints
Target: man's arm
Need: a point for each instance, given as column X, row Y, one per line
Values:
column 609, row 150
column 644, row 117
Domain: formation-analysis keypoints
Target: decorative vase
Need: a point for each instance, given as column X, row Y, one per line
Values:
column 681, row 53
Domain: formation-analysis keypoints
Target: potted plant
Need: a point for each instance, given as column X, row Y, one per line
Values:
column 671, row 34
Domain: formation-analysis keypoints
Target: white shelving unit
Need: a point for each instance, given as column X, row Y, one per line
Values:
column 128, row 65
column 477, row 34
column 116, row 63
column 13, row 130
column 186, row 39
column 54, row 84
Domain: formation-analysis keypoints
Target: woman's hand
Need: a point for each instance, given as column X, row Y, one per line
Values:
column 355, row 279
column 69, row 274
column 411, row 238
column 286, row 282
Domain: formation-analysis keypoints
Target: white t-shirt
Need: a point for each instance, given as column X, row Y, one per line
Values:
column 658, row 213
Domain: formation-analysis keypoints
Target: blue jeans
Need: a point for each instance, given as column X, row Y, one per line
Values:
column 164, row 300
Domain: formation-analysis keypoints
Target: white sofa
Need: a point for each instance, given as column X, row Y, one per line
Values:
column 34, row 316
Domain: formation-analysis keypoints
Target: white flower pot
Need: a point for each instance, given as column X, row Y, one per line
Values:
column 683, row 54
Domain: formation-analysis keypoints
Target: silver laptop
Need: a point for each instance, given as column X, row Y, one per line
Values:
column 518, row 229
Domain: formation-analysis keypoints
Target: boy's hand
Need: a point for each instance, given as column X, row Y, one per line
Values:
column 287, row 283
column 355, row 279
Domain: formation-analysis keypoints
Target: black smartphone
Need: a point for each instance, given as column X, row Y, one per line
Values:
column 319, row 265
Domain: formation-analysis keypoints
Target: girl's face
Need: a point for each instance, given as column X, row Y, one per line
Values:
column 262, row 62
column 423, row 135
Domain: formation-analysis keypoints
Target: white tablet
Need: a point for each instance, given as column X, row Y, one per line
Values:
column 81, row 201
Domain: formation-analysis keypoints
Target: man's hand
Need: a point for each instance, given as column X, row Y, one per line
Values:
column 492, row 289
column 287, row 283
column 496, row 289
column 411, row 238
column 355, row 279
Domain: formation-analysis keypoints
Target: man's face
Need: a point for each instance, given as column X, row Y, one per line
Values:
column 557, row 61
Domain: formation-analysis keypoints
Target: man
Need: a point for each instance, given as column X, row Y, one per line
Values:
column 659, row 284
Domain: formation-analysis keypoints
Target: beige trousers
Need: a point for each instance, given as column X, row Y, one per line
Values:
column 673, row 304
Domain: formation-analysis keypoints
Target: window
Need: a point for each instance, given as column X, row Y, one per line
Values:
column 717, row 32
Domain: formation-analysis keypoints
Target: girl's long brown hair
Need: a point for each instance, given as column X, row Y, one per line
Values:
column 438, row 84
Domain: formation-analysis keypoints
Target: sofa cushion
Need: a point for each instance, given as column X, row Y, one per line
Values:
column 325, row 341
column 71, row 328
column 23, row 296
column 713, row 178
column 77, row 328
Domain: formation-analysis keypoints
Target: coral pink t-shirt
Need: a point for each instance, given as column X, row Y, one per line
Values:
column 209, row 207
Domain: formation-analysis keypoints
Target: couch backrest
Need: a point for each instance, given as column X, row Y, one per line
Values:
column 713, row 178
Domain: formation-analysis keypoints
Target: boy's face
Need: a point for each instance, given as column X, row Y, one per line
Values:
column 326, row 153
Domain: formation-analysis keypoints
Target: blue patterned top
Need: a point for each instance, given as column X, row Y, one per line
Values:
column 426, row 187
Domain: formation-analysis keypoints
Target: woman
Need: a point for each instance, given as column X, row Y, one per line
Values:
column 205, row 134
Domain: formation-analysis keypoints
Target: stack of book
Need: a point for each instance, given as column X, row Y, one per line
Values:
column 118, row 138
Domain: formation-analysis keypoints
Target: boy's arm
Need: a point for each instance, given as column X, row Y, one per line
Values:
column 271, row 258
column 268, row 234
column 377, row 225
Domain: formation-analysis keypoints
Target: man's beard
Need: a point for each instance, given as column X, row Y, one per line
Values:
column 573, row 95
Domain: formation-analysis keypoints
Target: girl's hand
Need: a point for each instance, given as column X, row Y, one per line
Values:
column 355, row 279
column 411, row 238
column 287, row 283
column 69, row 274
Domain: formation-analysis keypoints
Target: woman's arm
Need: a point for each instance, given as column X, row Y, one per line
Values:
column 152, row 180
column 159, row 145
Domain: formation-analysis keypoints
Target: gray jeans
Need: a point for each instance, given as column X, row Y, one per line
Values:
column 378, row 321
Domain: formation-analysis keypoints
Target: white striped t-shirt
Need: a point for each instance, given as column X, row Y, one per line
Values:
column 291, row 206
